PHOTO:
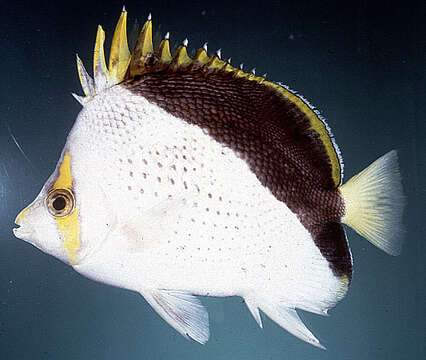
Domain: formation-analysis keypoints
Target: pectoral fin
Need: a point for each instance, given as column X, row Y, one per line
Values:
column 182, row 311
column 151, row 227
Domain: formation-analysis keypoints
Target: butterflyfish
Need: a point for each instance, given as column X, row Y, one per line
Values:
column 186, row 176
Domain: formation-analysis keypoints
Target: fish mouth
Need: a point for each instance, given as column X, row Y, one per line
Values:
column 22, row 232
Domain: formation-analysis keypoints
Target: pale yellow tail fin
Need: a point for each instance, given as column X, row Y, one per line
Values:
column 374, row 203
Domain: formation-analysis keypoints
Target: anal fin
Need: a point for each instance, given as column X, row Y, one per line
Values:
column 287, row 318
column 254, row 310
column 183, row 311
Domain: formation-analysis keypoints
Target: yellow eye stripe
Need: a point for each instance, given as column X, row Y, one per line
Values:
column 68, row 225
column 64, row 180
column 69, row 228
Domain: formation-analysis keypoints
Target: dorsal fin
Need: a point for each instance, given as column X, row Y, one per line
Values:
column 201, row 56
column 163, row 52
column 144, row 49
column 144, row 60
column 100, row 70
column 181, row 58
column 119, row 57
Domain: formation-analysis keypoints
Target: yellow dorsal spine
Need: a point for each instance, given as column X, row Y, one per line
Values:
column 228, row 67
column 181, row 56
column 201, row 56
column 144, row 44
column 144, row 48
column 241, row 74
column 163, row 51
column 100, row 70
column 215, row 62
column 119, row 57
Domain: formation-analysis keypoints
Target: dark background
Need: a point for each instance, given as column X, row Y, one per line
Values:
column 361, row 63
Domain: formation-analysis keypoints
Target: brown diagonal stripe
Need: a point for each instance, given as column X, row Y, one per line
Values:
column 270, row 133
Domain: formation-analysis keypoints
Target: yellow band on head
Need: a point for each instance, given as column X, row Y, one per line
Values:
column 64, row 180
column 68, row 225
column 70, row 230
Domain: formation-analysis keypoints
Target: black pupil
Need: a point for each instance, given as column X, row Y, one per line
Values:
column 59, row 203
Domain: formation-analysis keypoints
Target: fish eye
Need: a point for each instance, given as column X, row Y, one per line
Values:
column 60, row 202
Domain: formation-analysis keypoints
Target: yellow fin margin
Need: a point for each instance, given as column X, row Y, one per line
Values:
column 318, row 126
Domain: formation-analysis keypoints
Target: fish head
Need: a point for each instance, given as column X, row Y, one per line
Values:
column 60, row 220
column 38, row 225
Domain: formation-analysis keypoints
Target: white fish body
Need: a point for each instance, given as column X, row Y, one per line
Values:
column 145, row 200
column 163, row 179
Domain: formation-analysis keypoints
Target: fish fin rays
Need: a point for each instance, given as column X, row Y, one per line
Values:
column 254, row 310
column 86, row 81
column 374, row 203
column 288, row 318
column 183, row 311
column 81, row 99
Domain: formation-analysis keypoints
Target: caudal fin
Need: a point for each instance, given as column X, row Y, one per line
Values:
column 374, row 203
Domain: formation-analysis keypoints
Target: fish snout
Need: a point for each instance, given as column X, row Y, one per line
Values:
column 24, row 230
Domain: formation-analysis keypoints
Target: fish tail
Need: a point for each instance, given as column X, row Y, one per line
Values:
column 374, row 203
